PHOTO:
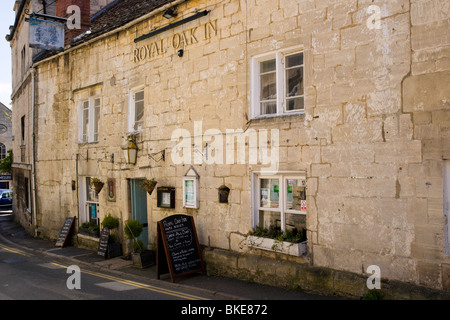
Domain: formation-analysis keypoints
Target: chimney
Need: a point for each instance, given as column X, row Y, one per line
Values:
column 84, row 19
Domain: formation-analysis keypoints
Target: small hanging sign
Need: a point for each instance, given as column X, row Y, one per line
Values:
column 47, row 35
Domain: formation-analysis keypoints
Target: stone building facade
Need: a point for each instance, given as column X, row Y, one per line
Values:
column 5, row 143
column 328, row 116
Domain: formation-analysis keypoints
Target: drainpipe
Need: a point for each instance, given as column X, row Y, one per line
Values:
column 33, row 160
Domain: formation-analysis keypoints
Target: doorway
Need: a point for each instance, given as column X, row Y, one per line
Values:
column 139, row 207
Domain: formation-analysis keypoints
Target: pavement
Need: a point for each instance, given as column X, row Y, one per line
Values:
column 221, row 287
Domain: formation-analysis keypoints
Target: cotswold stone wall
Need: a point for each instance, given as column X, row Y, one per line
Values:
column 371, row 140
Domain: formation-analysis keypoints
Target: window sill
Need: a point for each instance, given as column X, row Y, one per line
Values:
column 272, row 117
column 293, row 249
column 81, row 143
column 89, row 235
column 134, row 132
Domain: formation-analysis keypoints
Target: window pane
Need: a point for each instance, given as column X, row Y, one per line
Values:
column 91, row 195
column 267, row 66
column 296, row 226
column 138, row 110
column 271, row 220
column 294, row 60
column 268, row 107
column 88, row 189
column 85, row 124
column 22, row 128
column 295, row 104
column 93, row 211
column 294, row 82
column 268, row 92
column 96, row 118
column 139, row 115
column 295, row 194
column 269, row 193
column 138, row 96
column 268, row 86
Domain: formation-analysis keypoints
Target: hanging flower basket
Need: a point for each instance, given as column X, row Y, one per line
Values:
column 149, row 185
column 97, row 184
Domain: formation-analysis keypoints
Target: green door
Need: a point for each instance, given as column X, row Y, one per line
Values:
column 139, row 207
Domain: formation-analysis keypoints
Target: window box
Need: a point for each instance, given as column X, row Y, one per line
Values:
column 294, row 249
column 89, row 229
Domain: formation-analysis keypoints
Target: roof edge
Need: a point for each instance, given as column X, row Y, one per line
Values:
column 16, row 21
column 104, row 35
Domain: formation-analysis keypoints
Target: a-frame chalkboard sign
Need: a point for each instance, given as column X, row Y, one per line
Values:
column 65, row 231
column 103, row 243
column 178, row 249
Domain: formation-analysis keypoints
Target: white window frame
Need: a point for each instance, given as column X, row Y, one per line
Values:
column 132, row 110
column 194, row 204
column 282, row 198
column 85, row 188
column 93, row 118
column 279, row 56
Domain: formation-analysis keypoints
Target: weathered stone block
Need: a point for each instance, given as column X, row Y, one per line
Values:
column 426, row 92
column 446, row 276
column 429, row 274
column 398, row 152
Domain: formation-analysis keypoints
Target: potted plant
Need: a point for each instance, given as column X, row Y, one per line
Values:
column 149, row 185
column 97, row 184
column 142, row 257
column 114, row 246
column 292, row 242
column 90, row 229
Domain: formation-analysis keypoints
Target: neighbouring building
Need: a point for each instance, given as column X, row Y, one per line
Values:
column 332, row 117
column 6, row 139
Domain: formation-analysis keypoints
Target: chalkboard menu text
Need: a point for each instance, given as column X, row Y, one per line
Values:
column 103, row 243
column 178, row 249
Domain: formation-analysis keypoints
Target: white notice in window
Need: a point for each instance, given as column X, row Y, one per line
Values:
column 189, row 192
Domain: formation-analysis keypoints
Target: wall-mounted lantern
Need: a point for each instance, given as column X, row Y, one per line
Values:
column 190, row 189
column 130, row 150
column 224, row 192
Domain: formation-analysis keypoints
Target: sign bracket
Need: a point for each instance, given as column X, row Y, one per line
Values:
column 43, row 16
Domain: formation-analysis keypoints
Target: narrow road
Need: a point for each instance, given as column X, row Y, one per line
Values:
column 25, row 275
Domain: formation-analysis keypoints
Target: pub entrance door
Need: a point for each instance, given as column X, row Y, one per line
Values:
column 139, row 207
